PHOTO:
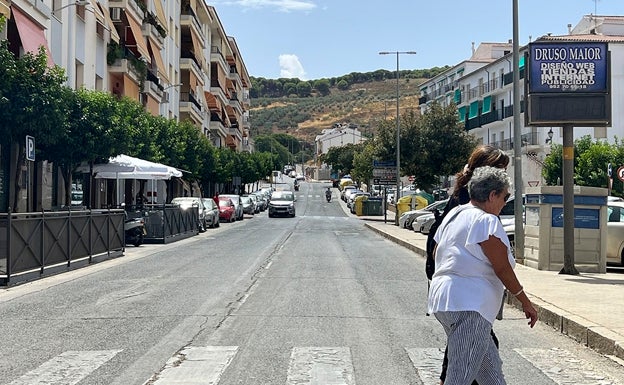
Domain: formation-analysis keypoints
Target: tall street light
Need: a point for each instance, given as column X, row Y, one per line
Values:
column 398, row 132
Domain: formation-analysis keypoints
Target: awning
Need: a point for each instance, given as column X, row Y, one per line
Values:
column 487, row 104
column 97, row 11
column 109, row 24
column 214, row 105
column 474, row 110
column 141, row 45
column 230, row 111
column 199, row 51
column 160, row 14
column 5, row 8
column 31, row 34
column 160, row 65
column 127, row 167
column 457, row 97
column 461, row 113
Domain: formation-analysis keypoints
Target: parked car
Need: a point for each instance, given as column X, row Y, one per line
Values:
column 351, row 201
column 249, row 207
column 227, row 211
column 187, row 202
column 256, row 201
column 408, row 217
column 238, row 205
column 347, row 193
column 282, row 203
column 263, row 200
column 211, row 212
column 615, row 232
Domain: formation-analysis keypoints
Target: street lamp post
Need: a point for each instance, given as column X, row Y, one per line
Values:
column 398, row 131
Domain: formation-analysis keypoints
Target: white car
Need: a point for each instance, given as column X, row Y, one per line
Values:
column 615, row 232
column 408, row 217
column 418, row 223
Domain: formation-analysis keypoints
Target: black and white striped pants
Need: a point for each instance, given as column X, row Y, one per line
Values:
column 471, row 350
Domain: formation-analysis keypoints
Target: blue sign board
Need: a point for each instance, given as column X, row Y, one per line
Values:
column 384, row 163
column 568, row 67
column 30, row 148
column 583, row 218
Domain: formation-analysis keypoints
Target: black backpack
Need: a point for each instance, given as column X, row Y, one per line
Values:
column 431, row 243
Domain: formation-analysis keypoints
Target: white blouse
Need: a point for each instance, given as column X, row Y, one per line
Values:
column 464, row 279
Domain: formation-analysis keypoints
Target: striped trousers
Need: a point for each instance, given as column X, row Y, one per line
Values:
column 472, row 353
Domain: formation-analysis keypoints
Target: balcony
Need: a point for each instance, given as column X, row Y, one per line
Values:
column 190, row 107
column 129, row 6
column 152, row 86
column 125, row 67
column 150, row 31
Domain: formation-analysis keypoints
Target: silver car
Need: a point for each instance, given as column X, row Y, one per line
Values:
column 615, row 232
column 211, row 212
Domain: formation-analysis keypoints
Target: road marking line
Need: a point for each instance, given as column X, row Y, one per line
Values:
column 320, row 365
column 197, row 366
column 428, row 363
column 68, row 368
column 564, row 368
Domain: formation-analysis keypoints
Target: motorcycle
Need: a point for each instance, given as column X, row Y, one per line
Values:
column 296, row 186
column 328, row 195
column 134, row 231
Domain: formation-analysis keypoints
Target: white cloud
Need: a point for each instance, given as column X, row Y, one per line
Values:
column 290, row 67
column 280, row 5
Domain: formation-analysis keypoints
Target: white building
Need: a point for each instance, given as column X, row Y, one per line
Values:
column 482, row 89
column 337, row 136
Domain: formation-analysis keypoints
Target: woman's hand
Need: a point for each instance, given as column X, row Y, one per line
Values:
column 529, row 311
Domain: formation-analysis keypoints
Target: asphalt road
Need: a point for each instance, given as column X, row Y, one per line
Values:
column 315, row 299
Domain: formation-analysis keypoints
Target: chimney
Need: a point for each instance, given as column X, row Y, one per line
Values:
column 473, row 47
column 569, row 29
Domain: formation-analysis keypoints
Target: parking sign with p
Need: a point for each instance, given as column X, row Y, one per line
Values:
column 30, row 148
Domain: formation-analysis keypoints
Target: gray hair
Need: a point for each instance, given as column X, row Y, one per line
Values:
column 485, row 180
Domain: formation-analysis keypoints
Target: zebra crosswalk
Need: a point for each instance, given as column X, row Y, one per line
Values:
column 308, row 365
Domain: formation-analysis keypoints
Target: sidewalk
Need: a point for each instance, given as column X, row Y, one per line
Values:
column 588, row 307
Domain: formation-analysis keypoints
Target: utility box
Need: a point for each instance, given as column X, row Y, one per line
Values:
column 373, row 206
column 543, row 242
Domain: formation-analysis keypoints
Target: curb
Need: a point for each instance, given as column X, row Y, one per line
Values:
column 591, row 335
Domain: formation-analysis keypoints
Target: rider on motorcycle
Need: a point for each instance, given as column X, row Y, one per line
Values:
column 328, row 193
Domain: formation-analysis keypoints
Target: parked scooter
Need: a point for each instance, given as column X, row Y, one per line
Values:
column 134, row 229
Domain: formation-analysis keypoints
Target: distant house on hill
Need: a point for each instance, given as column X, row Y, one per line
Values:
column 339, row 135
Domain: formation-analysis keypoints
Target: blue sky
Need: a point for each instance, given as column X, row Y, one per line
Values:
column 313, row 39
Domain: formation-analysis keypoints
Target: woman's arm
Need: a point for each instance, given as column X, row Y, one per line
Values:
column 496, row 251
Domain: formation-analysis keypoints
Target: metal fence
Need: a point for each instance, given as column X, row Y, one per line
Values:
column 37, row 244
column 169, row 223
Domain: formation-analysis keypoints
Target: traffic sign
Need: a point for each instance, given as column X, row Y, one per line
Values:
column 30, row 148
column 620, row 173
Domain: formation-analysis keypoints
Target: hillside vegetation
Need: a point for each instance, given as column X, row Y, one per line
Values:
column 304, row 110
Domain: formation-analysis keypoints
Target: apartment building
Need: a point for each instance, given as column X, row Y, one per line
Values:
column 482, row 89
column 175, row 58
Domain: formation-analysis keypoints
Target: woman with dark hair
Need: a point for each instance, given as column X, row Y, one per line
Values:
column 484, row 155
column 474, row 267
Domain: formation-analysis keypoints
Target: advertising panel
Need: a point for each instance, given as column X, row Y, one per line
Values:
column 568, row 83
column 568, row 67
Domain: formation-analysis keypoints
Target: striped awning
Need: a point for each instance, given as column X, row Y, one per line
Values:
column 109, row 23
column 5, row 8
column 141, row 44
column 214, row 105
column 160, row 65
column 160, row 14
column 31, row 34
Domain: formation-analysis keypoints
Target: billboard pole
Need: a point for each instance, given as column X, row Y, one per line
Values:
column 568, row 201
column 517, row 141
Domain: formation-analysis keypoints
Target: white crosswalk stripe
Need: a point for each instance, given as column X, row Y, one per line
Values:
column 68, row 368
column 428, row 363
column 564, row 368
column 197, row 366
column 320, row 365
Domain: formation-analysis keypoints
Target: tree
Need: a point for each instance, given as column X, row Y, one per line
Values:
column 304, row 89
column 322, row 87
column 435, row 145
column 363, row 161
column 31, row 103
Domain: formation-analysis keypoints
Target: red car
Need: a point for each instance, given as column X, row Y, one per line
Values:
column 226, row 210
